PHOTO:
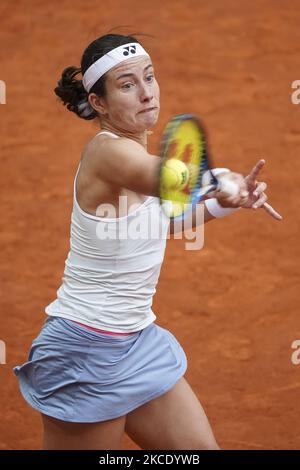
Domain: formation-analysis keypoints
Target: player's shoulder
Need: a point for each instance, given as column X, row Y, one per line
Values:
column 104, row 153
column 107, row 145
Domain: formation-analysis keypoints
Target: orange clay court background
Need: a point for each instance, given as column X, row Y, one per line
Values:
column 233, row 305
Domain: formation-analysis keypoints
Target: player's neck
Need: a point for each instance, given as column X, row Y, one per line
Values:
column 140, row 137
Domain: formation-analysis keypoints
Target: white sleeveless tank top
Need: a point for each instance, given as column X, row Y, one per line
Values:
column 112, row 267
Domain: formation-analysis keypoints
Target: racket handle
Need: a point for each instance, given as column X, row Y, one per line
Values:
column 211, row 188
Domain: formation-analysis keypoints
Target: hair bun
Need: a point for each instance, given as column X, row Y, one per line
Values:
column 73, row 95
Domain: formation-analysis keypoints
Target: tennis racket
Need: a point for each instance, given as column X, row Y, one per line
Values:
column 184, row 138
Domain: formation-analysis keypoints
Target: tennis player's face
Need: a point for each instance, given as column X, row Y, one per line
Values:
column 132, row 100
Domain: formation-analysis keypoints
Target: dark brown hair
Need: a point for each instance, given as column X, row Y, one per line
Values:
column 71, row 90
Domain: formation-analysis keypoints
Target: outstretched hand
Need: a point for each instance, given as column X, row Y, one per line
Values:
column 250, row 194
column 257, row 197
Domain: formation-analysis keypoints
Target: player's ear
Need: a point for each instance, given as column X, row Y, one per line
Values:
column 98, row 103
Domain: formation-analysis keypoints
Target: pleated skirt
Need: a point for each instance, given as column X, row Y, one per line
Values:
column 79, row 375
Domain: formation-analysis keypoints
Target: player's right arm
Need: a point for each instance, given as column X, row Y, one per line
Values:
column 125, row 163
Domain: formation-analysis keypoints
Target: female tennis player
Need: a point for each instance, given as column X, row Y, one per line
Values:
column 100, row 365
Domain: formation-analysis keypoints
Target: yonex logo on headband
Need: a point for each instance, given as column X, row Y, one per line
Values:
column 129, row 50
column 109, row 60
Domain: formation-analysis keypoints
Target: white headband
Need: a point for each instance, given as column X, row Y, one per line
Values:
column 109, row 60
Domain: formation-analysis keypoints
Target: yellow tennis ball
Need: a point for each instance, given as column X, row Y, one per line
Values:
column 175, row 174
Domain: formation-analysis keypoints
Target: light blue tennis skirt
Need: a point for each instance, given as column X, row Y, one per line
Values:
column 78, row 375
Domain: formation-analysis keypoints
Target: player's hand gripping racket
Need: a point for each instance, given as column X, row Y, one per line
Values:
column 185, row 174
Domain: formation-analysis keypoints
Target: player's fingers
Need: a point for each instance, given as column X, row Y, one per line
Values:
column 255, row 170
column 260, row 201
column 269, row 209
column 260, row 188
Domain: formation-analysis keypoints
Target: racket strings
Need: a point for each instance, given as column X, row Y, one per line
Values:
column 184, row 140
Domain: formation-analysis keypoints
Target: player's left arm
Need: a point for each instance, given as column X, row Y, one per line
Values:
column 198, row 216
column 251, row 196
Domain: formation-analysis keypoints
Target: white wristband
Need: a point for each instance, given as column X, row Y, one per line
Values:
column 212, row 205
column 216, row 210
